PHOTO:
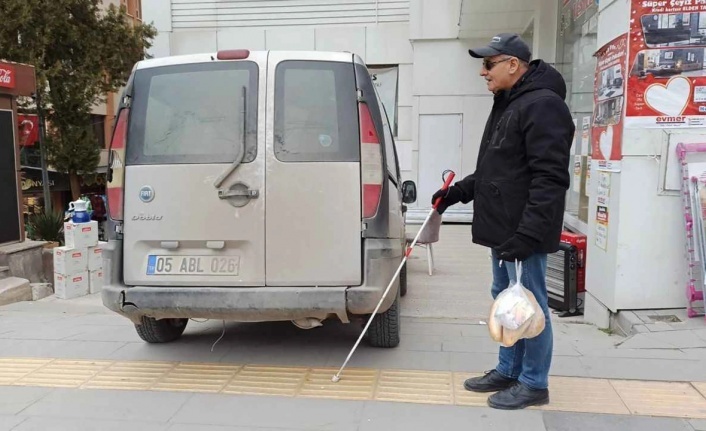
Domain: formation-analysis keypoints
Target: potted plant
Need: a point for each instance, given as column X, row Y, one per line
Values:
column 47, row 227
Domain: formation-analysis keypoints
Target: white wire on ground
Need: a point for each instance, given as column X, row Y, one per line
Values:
column 221, row 337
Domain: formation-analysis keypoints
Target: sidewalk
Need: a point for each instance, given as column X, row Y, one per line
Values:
column 39, row 409
column 70, row 359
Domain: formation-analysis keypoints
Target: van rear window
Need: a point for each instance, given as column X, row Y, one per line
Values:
column 316, row 112
column 194, row 113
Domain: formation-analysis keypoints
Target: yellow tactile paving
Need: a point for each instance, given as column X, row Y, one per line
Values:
column 130, row 375
column 625, row 397
column 572, row 394
column 671, row 399
column 196, row 378
column 701, row 387
column 63, row 373
column 357, row 384
column 463, row 397
column 263, row 380
column 13, row 369
column 415, row 386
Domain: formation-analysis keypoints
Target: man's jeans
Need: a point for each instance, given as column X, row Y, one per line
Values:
column 529, row 359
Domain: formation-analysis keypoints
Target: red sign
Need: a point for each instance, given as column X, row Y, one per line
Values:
column 28, row 129
column 7, row 76
column 581, row 6
column 608, row 102
column 667, row 64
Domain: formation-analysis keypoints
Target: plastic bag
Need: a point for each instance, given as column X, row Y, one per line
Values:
column 514, row 307
column 515, row 314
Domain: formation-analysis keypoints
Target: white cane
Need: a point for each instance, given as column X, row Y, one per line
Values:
column 447, row 182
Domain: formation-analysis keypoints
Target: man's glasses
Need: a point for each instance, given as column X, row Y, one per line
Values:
column 487, row 64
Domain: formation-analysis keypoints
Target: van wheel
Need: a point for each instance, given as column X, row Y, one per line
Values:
column 403, row 280
column 160, row 331
column 384, row 331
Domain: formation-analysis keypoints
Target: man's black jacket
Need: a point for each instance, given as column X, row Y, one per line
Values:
column 522, row 173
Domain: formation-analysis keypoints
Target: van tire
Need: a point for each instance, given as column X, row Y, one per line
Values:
column 160, row 331
column 403, row 280
column 384, row 331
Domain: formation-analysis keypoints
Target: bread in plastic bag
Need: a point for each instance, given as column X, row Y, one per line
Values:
column 515, row 314
column 514, row 307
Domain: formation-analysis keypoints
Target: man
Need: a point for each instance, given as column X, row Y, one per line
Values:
column 518, row 192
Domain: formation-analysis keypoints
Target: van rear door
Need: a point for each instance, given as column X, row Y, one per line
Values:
column 190, row 219
column 313, row 191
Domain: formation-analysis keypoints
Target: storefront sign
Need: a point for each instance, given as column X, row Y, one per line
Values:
column 667, row 83
column 28, row 128
column 608, row 98
column 32, row 181
column 7, row 76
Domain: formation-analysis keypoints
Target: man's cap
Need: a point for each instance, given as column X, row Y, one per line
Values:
column 504, row 43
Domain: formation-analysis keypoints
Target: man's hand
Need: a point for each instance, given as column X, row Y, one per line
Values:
column 450, row 196
column 518, row 247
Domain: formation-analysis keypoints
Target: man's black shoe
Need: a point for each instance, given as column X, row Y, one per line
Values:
column 490, row 382
column 518, row 396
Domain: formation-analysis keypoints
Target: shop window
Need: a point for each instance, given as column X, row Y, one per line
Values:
column 576, row 44
column 98, row 125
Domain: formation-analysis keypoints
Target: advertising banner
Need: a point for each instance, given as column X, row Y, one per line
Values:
column 667, row 81
column 608, row 98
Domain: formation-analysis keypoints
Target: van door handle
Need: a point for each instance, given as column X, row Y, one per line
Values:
column 248, row 193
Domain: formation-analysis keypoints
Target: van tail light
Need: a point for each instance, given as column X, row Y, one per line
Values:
column 115, row 188
column 370, row 161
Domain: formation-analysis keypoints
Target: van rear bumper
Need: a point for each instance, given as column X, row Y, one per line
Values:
column 254, row 304
column 247, row 304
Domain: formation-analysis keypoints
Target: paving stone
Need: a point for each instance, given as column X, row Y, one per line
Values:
column 560, row 421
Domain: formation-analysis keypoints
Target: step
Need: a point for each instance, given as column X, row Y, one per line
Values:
column 4, row 272
column 41, row 290
column 14, row 289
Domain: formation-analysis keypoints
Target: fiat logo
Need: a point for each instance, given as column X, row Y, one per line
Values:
column 146, row 194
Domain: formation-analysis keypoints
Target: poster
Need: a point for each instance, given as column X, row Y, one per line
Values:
column 608, row 102
column 667, row 81
column 602, row 227
column 585, row 135
column 603, row 199
column 577, row 174
column 589, row 165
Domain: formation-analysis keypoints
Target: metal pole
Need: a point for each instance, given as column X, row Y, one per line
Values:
column 45, row 174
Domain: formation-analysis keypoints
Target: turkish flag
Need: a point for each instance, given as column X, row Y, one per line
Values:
column 28, row 127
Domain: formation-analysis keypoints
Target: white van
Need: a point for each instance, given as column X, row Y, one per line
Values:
column 254, row 186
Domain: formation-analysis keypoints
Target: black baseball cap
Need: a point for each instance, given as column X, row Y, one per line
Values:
column 504, row 43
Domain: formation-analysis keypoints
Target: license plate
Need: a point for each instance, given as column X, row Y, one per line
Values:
column 193, row 265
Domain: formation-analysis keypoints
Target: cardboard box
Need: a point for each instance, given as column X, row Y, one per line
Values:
column 95, row 281
column 70, row 261
column 71, row 286
column 81, row 235
column 95, row 257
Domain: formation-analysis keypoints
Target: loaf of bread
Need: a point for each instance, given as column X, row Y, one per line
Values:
column 496, row 330
column 511, row 336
